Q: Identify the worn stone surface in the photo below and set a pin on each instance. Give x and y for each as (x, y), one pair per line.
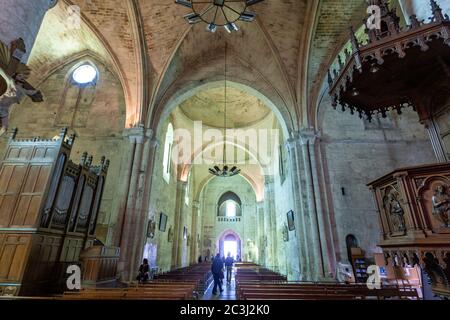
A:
(355, 152)
(98, 120)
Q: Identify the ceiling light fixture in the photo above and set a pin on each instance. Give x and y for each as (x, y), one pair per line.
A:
(225, 171)
(219, 13)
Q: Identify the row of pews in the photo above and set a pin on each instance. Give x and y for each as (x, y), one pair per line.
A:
(200, 273)
(257, 283)
(180, 284)
(155, 290)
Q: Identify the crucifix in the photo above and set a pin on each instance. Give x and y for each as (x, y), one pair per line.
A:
(13, 84)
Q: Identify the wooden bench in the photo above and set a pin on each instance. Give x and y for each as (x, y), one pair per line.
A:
(244, 291)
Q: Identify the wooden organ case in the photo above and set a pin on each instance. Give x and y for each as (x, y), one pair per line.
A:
(414, 211)
(48, 212)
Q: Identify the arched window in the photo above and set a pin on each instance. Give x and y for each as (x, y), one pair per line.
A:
(230, 209)
(78, 96)
(167, 163)
(188, 189)
(229, 205)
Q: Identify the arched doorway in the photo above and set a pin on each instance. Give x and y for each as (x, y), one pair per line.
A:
(230, 242)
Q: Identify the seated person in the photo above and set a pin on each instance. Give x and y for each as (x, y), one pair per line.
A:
(144, 270)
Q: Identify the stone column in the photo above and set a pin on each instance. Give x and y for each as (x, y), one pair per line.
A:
(195, 216)
(300, 208)
(178, 225)
(141, 210)
(22, 19)
(436, 140)
(319, 221)
(260, 232)
(137, 137)
(271, 222)
(120, 201)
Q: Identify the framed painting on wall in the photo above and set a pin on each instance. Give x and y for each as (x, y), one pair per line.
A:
(290, 220)
(162, 222)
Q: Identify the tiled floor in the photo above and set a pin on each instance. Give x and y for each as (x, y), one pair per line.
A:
(229, 292)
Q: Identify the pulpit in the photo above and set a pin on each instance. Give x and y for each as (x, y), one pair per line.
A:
(48, 212)
(414, 212)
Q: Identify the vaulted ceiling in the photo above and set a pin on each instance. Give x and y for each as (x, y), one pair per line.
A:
(158, 56)
(208, 106)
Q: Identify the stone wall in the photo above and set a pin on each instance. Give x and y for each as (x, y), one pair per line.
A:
(212, 229)
(98, 120)
(353, 153)
(162, 199)
(288, 251)
(22, 19)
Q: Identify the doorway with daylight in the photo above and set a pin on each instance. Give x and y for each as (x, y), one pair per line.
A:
(230, 243)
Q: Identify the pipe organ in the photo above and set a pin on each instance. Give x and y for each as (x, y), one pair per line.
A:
(49, 207)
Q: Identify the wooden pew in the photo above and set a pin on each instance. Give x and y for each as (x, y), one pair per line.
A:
(338, 291)
(201, 273)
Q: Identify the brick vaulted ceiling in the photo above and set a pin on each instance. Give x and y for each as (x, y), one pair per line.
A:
(157, 55)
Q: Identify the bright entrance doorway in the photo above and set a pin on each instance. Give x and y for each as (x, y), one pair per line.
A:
(230, 247)
(230, 242)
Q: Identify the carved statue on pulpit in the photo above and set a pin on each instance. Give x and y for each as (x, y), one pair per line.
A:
(396, 212)
(441, 205)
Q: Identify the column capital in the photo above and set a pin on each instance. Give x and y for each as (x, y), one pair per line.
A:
(308, 136)
(138, 134)
(154, 143)
(260, 205)
(196, 204)
(181, 185)
(302, 137)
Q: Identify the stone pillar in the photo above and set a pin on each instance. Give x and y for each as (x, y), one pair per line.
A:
(436, 140)
(310, 223)
(194, 231)
(321, 234)
(129, 146)
(130, 216)
(178, 225)
(260, 232)
(141, 210)
(271, 221)
(299, 206)
(22, 19)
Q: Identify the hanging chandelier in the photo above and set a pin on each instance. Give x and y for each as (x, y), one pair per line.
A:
(225, 170)
(219, 13)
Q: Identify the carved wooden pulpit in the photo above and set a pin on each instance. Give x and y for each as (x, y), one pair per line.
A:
(414, 211)
(48, 212)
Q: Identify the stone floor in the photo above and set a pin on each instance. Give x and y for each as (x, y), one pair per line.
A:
(229, 291)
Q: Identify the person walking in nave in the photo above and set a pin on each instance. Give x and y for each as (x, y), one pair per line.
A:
(229, 261)
(217, 271)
